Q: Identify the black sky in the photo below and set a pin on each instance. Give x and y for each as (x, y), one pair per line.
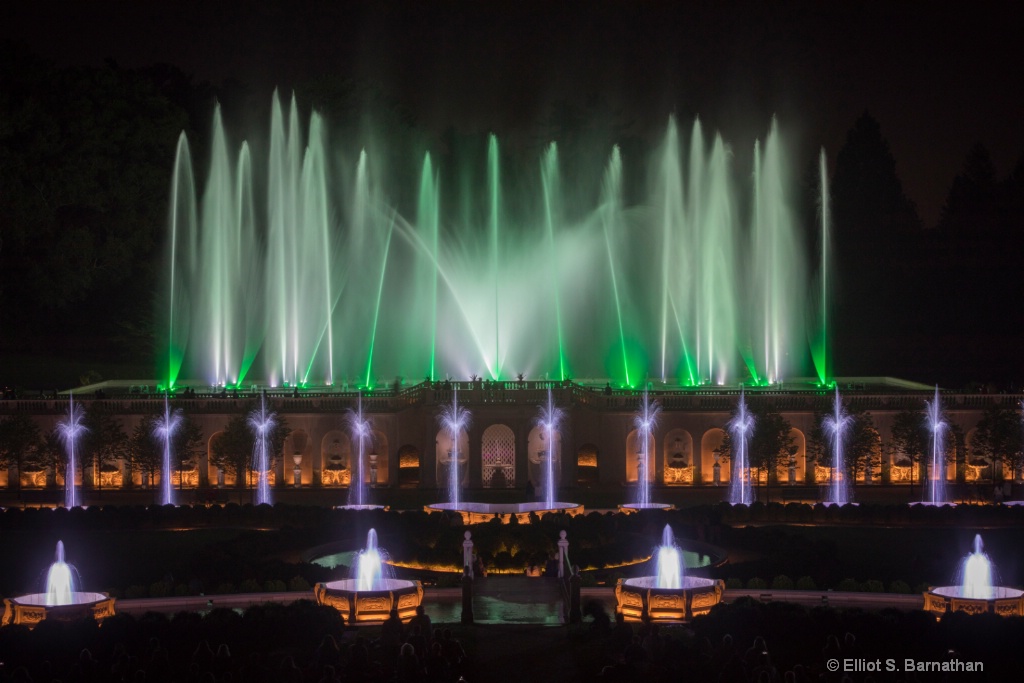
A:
(939, 78)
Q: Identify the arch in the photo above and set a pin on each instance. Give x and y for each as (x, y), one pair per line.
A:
(678, 454)
(498, 457)
(712, 440)
(443, 444)
(409, 463)
(635, 451)
(335, 459)
(586, 464)
(537, 450)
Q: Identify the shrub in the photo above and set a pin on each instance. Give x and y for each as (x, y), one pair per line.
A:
(160, 589)
(225, 587)
(182, 590)
(135, 592)
(806, 583)
(874, 586)
(249, 586)
(756, 583)
(848, 585)
(297, 583)
(782, 583)
(899, 587)
(734, 583)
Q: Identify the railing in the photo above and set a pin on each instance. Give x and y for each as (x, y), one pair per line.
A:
(498, 393)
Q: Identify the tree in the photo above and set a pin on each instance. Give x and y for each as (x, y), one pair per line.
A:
(909, 440)
(771, 445)
(147, 449)
(233, 450)
(20, 440)
(860, 447)
(998, 440)
(105, 445)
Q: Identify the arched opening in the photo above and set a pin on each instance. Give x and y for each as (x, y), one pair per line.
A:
(335, 459)
(679, 465)
(586, 464)
(637, 452)
(713, 470)
(498, 457)
(409, 464)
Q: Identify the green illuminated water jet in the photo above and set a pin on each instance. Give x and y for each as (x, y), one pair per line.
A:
(305, 264)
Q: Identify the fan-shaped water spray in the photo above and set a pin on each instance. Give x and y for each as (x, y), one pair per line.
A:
(262, 424)
(935, 492)
(70, 431)
(549, 420)
(741, 429)
(454, 420)
(837, 426)
(164, 430)
(360, 429)
(645, 421)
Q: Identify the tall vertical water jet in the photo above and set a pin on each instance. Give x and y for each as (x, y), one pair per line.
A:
(936, 490)
(262, 424)
(741, 428)
(549, 420)
(70, 430)
(454, 420)
(360, 429)
(272, 271)
(164, 430)
(645, 421)
(819, 349)
(837, 426)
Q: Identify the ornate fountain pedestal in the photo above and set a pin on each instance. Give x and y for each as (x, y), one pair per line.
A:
(31, 609)
(640, 597)
(370, 606)
(1006, 602)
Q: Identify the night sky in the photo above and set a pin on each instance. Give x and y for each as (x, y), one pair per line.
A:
(938, 79)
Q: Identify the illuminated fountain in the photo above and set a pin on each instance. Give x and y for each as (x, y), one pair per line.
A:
(262, 425)
(645, 421)
(70, 430)
(455, 420)
(935, 491)
(361, 430)
(975, 594)
(668, 595)
(311, 264)
(369, 595)
(741, 428)
(61, 600)
(837, 426)
(164, 430)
